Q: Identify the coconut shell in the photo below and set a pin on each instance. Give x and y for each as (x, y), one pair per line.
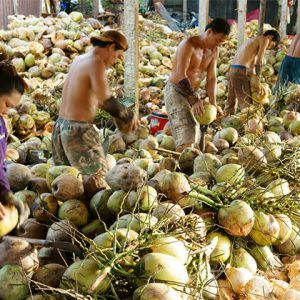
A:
(31, 228)
(49, 274)
(186, 159)
(126, 177)
(61, 231)
(39, 185)
(67, 186)
(18, 176)
(18, 252)
(168, 163)
(44, 207)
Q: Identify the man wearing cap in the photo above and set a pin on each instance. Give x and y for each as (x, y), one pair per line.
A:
(194, 56)
(75, 139)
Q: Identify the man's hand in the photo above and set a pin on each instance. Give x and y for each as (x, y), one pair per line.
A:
(220, 111)
(198, 108)
(3, 211)
(130, 126)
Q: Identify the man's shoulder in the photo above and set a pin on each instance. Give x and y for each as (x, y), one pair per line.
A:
(88, 61)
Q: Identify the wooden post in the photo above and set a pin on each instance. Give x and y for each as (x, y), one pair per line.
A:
(81, 6)
(283, 19)
(131, 9)
(298, 18)
(242, 12)
(184, 9)
(203, 14)
(95, 8)
(15, 4)
(262, 14)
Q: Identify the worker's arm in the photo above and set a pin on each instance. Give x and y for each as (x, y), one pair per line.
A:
(109, 103)
(211, 80)
(183, 84)
(262, 47)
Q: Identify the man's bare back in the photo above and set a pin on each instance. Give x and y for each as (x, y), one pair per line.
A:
(198, 63)
(294, 49)
(79, 101)
(251, 52)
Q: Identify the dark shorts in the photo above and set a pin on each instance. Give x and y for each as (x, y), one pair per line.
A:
(77, 144)
(289, 72)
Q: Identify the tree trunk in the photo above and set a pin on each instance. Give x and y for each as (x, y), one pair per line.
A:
(283, 19)
(242, 12)
(131, 8)
(95, 8)
(203, 14)
(262, 14)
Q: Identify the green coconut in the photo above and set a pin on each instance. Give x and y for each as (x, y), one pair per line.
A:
(55, 171)
(237, 218)
(223, 248)
(74, 211)
(98, 205)
(207, 163)
(156, 291)
(161, 267)
(231, 174)
(81, 275)
(13, 282)
(265, 230)
(209, 115)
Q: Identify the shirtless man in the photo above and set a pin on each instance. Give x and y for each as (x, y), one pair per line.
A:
(249, 58)
(194, 56)
(290, 67)
(75, 139)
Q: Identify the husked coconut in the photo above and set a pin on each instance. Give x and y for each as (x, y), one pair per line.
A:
(31, 228)
(168, 163)
(15, 251)
(56, 171)
(186, 159)
(67, 186)
(61, 231)
(126, 177)
(252, 157)
(44, 207)
(49, 274)
(18, 176)
(39, 185)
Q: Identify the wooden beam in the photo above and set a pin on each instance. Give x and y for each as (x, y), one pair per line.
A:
(131, 10)
(283, 19)
(203, 14)
(95, 8)
(298, 18)
(262, 15)
(242, 13)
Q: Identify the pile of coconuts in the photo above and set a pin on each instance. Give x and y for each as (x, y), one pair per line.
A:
(222, 224)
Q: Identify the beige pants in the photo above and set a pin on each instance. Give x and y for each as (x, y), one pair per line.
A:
(239, 92)
(185, 129)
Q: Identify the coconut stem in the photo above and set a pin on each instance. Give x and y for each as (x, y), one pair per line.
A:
(204, 199)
